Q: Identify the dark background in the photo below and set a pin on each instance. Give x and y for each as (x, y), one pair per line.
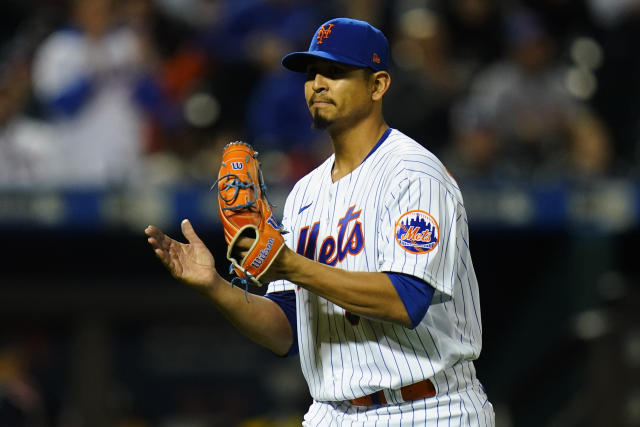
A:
(109, 335)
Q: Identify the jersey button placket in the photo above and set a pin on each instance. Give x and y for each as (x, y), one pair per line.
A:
(330, 197)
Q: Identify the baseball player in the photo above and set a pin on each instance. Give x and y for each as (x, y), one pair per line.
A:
(375, 288)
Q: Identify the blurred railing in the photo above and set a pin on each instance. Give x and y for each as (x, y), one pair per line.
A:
(602, 206)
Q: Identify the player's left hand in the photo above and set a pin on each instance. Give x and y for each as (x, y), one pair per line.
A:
(241, 249)
(250, 229)
(242, 246)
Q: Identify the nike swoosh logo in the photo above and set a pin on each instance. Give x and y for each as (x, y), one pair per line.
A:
(304, 207)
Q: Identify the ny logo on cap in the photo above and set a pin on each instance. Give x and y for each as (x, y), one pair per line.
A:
(323, 33)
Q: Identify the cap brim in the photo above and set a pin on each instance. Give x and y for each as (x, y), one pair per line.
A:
(298, 61)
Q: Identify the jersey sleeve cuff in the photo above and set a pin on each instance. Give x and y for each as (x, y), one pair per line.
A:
(286, 300)
(416, 295)
(444, 291)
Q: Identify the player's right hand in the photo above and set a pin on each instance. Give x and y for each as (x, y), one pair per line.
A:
(191, 263)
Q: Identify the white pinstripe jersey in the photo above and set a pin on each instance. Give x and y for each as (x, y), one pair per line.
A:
(399, 211)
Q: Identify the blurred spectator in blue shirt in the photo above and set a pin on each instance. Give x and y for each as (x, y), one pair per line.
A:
(275, 117)
(93, 77)
(240, 40)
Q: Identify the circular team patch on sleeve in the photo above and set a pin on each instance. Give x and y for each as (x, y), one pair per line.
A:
(417, 232)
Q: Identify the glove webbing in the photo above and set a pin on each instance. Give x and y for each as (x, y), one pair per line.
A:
(233, 181)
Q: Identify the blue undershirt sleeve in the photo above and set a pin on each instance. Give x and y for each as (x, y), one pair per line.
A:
(69, 101)
(147, 93)
(416, 295)
(286, 300)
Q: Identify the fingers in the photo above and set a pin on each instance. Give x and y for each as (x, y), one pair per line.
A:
(244, 244)
(159, 242)
(188, 232)
(153, 236)
(241, 247)
(152, 231)
(156, 237)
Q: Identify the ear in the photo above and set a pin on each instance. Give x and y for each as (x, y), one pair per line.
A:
(381, 80)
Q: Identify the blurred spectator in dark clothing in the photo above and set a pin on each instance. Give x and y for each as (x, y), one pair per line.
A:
(180, 67)
(475, 34)
(94, 79)
(378, 13)
(563, 19)
(520, 121)
(424, 79)
(618, 97)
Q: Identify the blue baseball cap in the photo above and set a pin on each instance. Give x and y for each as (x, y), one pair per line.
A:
(347, 41)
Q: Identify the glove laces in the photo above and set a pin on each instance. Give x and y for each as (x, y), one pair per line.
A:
(240, 281)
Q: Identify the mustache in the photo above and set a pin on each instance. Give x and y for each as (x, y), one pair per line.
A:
(316, 98)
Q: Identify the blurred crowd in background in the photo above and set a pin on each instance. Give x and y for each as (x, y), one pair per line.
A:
(121, 94)
(97, 93)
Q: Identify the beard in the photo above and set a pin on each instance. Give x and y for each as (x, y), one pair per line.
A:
(320, 122)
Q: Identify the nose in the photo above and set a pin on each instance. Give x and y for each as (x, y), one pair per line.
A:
(319, 83)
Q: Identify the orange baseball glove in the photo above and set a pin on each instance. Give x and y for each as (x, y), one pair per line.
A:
(245, 211)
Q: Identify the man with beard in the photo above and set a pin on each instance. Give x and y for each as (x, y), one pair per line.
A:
(375, 287)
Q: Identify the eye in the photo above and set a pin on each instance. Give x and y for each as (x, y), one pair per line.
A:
(335, 71)
(311, 73)
(328, 70)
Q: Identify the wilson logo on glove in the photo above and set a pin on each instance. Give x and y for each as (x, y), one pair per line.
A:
(257, 262)
(245, 211)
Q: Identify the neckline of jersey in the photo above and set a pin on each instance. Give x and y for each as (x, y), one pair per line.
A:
(383, 138)
(378, 144)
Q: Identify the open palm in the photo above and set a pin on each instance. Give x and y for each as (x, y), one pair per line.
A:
(191, 263)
